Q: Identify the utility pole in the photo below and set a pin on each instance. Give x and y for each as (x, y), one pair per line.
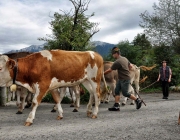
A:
(3, 96)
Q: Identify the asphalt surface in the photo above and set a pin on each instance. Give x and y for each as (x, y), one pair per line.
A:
(156, 121)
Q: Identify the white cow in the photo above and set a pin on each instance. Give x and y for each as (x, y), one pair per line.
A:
(23, 98)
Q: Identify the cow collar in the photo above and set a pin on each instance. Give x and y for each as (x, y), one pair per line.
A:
(15, 73)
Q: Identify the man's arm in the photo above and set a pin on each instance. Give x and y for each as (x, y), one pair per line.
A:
(170, 74)
(130, 66)
(108, 71)
(158, 77)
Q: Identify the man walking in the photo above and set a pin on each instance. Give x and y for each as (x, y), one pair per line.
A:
(123, 66)
(165, 74)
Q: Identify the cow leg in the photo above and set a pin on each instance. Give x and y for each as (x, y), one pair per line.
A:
(103, 93)
(93, 97)
(124, 100)
(9, 95)
(21, 96)
(35, 102)
(20, 101)
(137, 87)
(58, 96)
(24, 93)
(76, 90)
(59, 108)
(107, 98)
(131, 91)
(18, 96)
(72, 97)
(112, 92)
(29, 99)
(87, 85)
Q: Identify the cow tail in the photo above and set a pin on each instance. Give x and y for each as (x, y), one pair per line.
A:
(105, 84)
(144, 68)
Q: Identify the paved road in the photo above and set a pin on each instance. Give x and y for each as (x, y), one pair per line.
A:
(156, 121)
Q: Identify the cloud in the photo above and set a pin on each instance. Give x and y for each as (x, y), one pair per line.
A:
(23, 22)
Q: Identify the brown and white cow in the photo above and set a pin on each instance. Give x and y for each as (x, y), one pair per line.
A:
(23, 96)
(47, 70)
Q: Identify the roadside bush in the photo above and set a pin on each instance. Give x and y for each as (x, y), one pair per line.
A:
(49, 99)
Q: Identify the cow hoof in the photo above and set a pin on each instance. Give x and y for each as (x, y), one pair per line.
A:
(71, 105)
(101, 102)
(53, 110)
(28, 106)
(75, 110)
(106, 102)
(59, 118)
(89, 114)
(123, 104)
(94, 117)
(19, 112)
(131, 103)
(27, 124)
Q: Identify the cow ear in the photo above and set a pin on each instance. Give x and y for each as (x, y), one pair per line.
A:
(11, 63)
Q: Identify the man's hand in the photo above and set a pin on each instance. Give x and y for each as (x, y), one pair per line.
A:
(108, 71)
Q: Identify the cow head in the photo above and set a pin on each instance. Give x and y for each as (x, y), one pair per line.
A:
(6, 70)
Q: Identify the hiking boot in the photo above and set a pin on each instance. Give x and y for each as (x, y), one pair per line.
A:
(116, 107)
(138, 103)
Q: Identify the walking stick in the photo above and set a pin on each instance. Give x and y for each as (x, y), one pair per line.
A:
(139, 96)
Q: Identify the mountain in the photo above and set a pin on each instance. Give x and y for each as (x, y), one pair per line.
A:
(32, 48)
(102, 48)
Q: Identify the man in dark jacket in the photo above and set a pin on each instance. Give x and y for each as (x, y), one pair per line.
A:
(165, 74)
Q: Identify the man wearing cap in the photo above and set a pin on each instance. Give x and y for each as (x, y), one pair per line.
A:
(165, 74)
(123, 66)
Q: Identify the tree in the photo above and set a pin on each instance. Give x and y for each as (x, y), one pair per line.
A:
(142, 40)
(71, 30)
(145, 48)
(163, 26)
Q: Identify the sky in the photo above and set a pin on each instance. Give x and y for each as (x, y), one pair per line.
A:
(24, 21)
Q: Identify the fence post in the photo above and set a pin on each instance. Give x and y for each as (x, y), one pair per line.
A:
(3, 96)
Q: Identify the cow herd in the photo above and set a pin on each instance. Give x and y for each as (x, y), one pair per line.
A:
(53, 71)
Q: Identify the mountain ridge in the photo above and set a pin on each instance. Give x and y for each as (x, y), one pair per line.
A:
(102, 48)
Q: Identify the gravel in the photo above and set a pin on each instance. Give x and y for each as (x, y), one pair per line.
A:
(156, 121)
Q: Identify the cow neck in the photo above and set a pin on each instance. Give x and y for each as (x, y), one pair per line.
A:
(15, 73)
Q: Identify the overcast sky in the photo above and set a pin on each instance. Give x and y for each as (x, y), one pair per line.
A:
(23, 21)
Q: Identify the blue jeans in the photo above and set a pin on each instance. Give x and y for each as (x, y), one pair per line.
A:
(122, 85)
